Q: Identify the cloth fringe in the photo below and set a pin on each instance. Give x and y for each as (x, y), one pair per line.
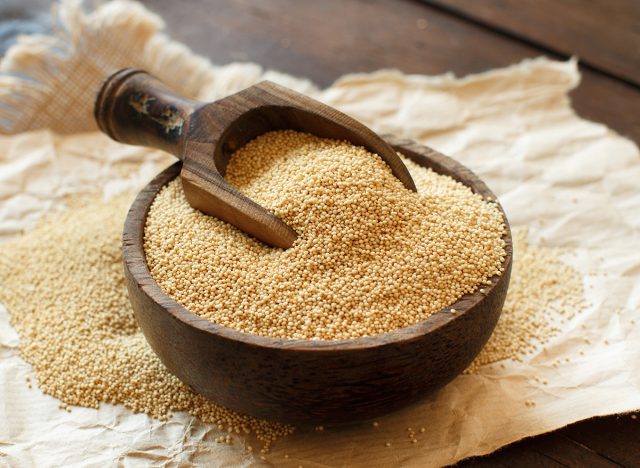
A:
(51, 81)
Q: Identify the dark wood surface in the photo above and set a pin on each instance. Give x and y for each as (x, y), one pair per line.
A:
(569, 27)
(136, 108)
(323, 40)
(286, 380)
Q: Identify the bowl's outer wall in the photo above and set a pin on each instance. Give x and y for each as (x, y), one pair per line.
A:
(324, 385)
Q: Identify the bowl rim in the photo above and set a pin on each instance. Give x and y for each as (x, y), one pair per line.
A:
(135, 264)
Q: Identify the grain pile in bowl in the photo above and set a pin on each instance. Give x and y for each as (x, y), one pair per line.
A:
(371, 256)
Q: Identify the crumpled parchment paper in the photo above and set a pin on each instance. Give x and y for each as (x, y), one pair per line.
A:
(572, 182)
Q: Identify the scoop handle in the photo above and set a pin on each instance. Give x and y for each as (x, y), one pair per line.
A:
(136, 108)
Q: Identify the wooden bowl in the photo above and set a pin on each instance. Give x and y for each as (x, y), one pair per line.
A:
(314, 382)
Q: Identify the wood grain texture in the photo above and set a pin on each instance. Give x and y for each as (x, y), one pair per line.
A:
(134, 107)
(603, 33)
(553, 450)
(616, 438)
(312, 381)
(324, 40)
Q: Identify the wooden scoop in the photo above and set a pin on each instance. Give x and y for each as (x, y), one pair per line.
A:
(136, 108)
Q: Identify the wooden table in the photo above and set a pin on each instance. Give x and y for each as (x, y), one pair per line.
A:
(322, 40)
(325, 39)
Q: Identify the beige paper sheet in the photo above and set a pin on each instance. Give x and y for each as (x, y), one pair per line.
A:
(573, 182)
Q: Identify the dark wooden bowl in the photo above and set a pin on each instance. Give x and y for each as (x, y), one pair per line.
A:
(315, 382)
